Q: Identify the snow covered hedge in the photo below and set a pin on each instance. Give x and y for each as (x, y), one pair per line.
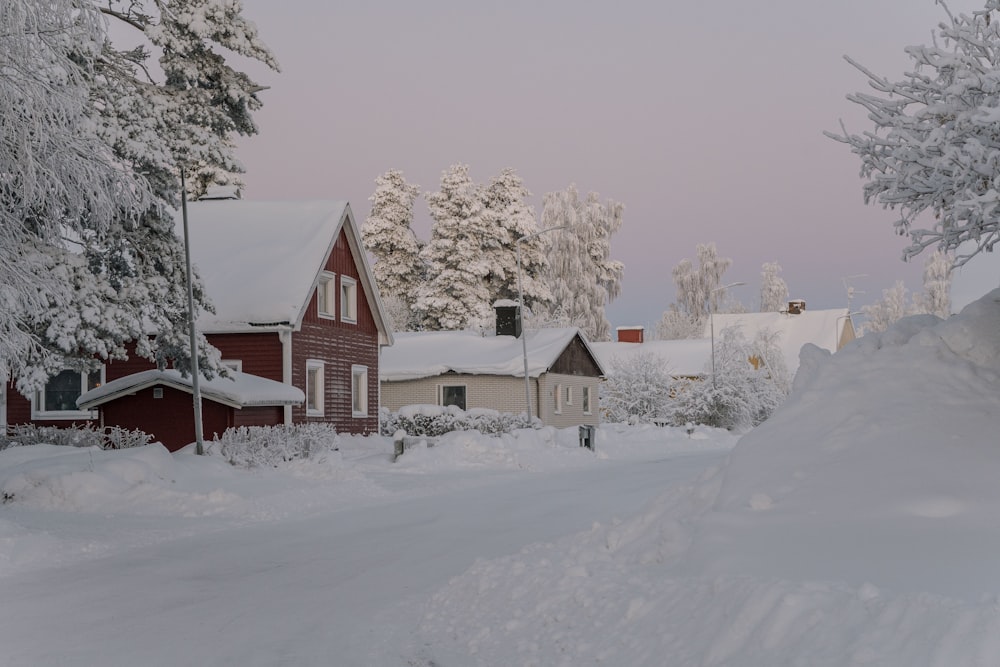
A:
(108, 437)
(269, 446)
(433, 420)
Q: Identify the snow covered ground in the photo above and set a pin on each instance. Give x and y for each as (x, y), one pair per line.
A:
(860, 525)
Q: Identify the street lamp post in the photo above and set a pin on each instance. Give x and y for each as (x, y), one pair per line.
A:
(193, 339)
(520, 315)
(711, 323)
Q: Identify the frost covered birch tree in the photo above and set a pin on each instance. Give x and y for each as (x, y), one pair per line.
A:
(696, 295)
(934, 149)
(773, 289)
(389, 237)
(887, 310)
(89, 150)
(455, 295)
(936, 297)
(581, 274)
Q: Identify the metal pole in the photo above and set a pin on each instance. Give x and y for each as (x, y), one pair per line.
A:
(524, 332)
(195, 372)
(711, 327)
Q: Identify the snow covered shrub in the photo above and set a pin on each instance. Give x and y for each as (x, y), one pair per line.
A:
(435, 420)
(269, 446)
(109, 437)
(637, 389)
(751, 381)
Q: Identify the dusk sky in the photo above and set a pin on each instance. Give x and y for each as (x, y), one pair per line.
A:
(705, 119)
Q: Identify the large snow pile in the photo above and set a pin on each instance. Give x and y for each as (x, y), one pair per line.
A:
(860, 525)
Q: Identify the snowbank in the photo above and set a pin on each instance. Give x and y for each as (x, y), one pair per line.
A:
(859, 525)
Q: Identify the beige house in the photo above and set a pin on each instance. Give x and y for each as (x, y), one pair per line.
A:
(471, 370)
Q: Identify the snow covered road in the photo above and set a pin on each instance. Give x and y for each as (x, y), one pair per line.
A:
(340, 587)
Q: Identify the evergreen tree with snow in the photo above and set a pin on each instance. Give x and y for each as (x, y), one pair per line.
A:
(455, 294)
(581, 274)
(90, 145)
(509, 217)
(933, 148)
(773, 289)
(388, 236)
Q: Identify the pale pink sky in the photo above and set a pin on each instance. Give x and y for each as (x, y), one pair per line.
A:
(704, 118)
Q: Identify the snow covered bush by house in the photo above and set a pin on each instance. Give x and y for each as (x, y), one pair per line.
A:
(637, 389)
(745, 384)
(434, 420)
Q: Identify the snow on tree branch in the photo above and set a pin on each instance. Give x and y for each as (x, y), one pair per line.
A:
(935, 147)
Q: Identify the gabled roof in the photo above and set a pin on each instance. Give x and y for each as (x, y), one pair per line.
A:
(822, 328)
(683, 358)
(260, 260)
(240, 391)
(417, 355)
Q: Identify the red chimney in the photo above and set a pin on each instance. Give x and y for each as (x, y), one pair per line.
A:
(630, 334)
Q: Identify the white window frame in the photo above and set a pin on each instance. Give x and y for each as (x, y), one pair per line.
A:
(348, 299)
(569, 395)
(359, 391)
(319, 366)
(465, 393)
(586, 400)
(233, 364)
(38, 410)
(558, 406)
(326, 296)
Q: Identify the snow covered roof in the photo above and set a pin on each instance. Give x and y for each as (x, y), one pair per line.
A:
(684, 358)
(240, 391)
(822, 328)
(259, 260)
(417, 355)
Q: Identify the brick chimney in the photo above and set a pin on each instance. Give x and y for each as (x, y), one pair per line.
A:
(630, 334)
(508, 318)
(795, 307)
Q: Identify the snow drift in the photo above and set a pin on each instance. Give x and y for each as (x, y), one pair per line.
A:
(859, 525)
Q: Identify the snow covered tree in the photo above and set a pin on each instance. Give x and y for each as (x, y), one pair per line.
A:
(455, 294)
(936, 298)
(773, 289)
(89, 148)
(934, 145)
(581, 275)
(387, 235)
(696, 297)
(637, 389)
(890, 308)
(507, 213)
(751, 380)
(675, 325)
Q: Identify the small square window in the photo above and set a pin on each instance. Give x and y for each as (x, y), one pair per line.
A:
(314, 387)
(326, 296)
(348, 299)
(452, 394)
(359, 391)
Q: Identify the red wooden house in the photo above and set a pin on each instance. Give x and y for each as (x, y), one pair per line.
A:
(297, 315)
